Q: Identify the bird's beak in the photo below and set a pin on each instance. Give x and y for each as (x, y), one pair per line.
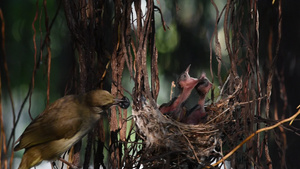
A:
(190, 82)
(188, 69)
(117, 100)
(203, 75)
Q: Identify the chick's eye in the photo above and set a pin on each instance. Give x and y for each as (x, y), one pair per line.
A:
(201, 83)
(184, 76)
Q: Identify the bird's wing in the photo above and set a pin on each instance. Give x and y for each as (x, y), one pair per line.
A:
(167, 107)
(49, 125)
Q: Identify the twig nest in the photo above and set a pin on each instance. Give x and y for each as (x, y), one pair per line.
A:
(199, 143)
(172, 143)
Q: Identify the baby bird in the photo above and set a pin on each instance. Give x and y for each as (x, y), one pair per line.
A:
(62, 124)
(175, 108)
(197, 113)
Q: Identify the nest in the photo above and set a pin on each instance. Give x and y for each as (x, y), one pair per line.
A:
(168, 142)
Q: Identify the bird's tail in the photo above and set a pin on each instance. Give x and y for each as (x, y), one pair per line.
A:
(30, 158)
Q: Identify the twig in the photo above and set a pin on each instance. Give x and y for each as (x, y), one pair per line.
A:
(161, 156)
(34, 57)
(48, 50)
(255, 133)
(9, 92)
(224, 84)
(162, 18)
(3, 135)
(172, 86)
(219, 115)
(191, 146)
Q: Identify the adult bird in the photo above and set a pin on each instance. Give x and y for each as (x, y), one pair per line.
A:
(198, 114)
(175, 108)
(62, 124)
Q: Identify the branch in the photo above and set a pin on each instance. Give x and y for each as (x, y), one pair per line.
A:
(255, 133)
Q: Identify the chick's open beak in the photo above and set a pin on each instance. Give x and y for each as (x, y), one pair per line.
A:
(188, 69)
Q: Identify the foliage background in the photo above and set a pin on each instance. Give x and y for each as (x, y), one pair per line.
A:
(191, 24)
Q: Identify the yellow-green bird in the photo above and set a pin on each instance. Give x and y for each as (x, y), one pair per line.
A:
(62, 124)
